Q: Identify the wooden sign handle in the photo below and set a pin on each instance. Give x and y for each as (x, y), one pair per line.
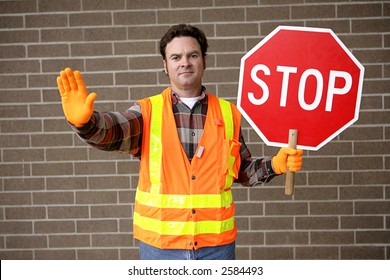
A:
(290, 176)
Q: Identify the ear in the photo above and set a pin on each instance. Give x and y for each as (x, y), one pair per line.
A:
(165, 67)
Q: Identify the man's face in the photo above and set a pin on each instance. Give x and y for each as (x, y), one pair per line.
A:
(184, 64)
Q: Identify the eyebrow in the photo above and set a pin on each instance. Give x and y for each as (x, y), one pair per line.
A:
(191, 53)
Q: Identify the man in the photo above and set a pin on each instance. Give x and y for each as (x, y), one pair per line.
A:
(191, 151)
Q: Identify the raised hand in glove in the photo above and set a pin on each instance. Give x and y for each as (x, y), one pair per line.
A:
(77, 104)
(287, 157)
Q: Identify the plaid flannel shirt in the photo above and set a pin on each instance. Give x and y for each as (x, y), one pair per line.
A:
(122, 132)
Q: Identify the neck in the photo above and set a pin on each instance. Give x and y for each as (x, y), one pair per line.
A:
(183, 92)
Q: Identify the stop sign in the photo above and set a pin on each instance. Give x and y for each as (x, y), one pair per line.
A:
(300, 78)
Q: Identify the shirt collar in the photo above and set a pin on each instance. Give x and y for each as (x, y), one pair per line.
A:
(202, 98)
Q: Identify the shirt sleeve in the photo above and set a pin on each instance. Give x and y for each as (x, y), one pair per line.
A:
(254, 171)
(114, 131)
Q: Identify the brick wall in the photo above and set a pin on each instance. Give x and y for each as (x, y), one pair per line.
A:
(63, 200)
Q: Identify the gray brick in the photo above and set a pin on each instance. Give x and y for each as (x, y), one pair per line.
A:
(96, 197)
(15, 199)
(322, 178)
(271, 223)
(97, 254)
(14, 82)
(50, 227)
(58, 5)
(191, 3)
(268, 13)
(115, 182)
(62, 35)
(55, 254)
(23, 155)
(11, 22)
(13, 227)
(23, 242)
(37, 21)
(95, 226)
(25, 213)
(56, 64)
(91, 49)
(24, 184)
(372, 207)
(68, 212)
(69, 241)
(9, 7)
(72, 183)
(106, 64)
(13, 170)
(317, 253)
(146, 33)
(135, 78)
(152, 4)
(362, 252)
(362, 222)
(117, 211)
(224, 14)
(20, 66)
(105, 34)
(286, 208)
(283, 238)
(46, 169)
(53, 198)
(332, 237)
(249, 238)
(359, 10)
(51, 140)
(42, 80)
(21, 126)
(272, 253)
(314, 11)
(90, 19)
(331, 208)
(89, 168)
(367, 148)
(104, 5)
(12, 51)
(315, 223)
(370, 25)
(135, 18)
(361, 192)
(16, 255)
(173, 17)
(135, 48)
(104, 240)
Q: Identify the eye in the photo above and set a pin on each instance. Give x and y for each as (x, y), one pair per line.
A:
(175, 58)
(195, 55)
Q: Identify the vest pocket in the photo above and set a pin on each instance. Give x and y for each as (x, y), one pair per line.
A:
(231, 158)
(234, 164)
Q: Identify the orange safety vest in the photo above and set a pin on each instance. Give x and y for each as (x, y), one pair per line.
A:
(181, 204)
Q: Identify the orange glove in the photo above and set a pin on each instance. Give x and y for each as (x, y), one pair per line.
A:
(77, 104)
(287, 157)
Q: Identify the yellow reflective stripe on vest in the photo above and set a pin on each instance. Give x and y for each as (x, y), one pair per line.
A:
(184, 228)
(229, 131)
(227, 117)
(155, 152)
(185, 201)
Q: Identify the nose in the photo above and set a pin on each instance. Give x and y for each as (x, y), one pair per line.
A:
(185, 62)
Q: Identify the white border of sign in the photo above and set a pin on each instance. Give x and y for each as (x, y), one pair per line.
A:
(311, 29)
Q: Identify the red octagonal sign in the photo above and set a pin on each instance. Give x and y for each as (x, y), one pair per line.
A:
(300, 78)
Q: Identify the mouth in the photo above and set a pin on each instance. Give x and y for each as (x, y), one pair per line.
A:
(186, 73)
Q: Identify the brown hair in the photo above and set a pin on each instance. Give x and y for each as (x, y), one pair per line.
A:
(181, 30)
